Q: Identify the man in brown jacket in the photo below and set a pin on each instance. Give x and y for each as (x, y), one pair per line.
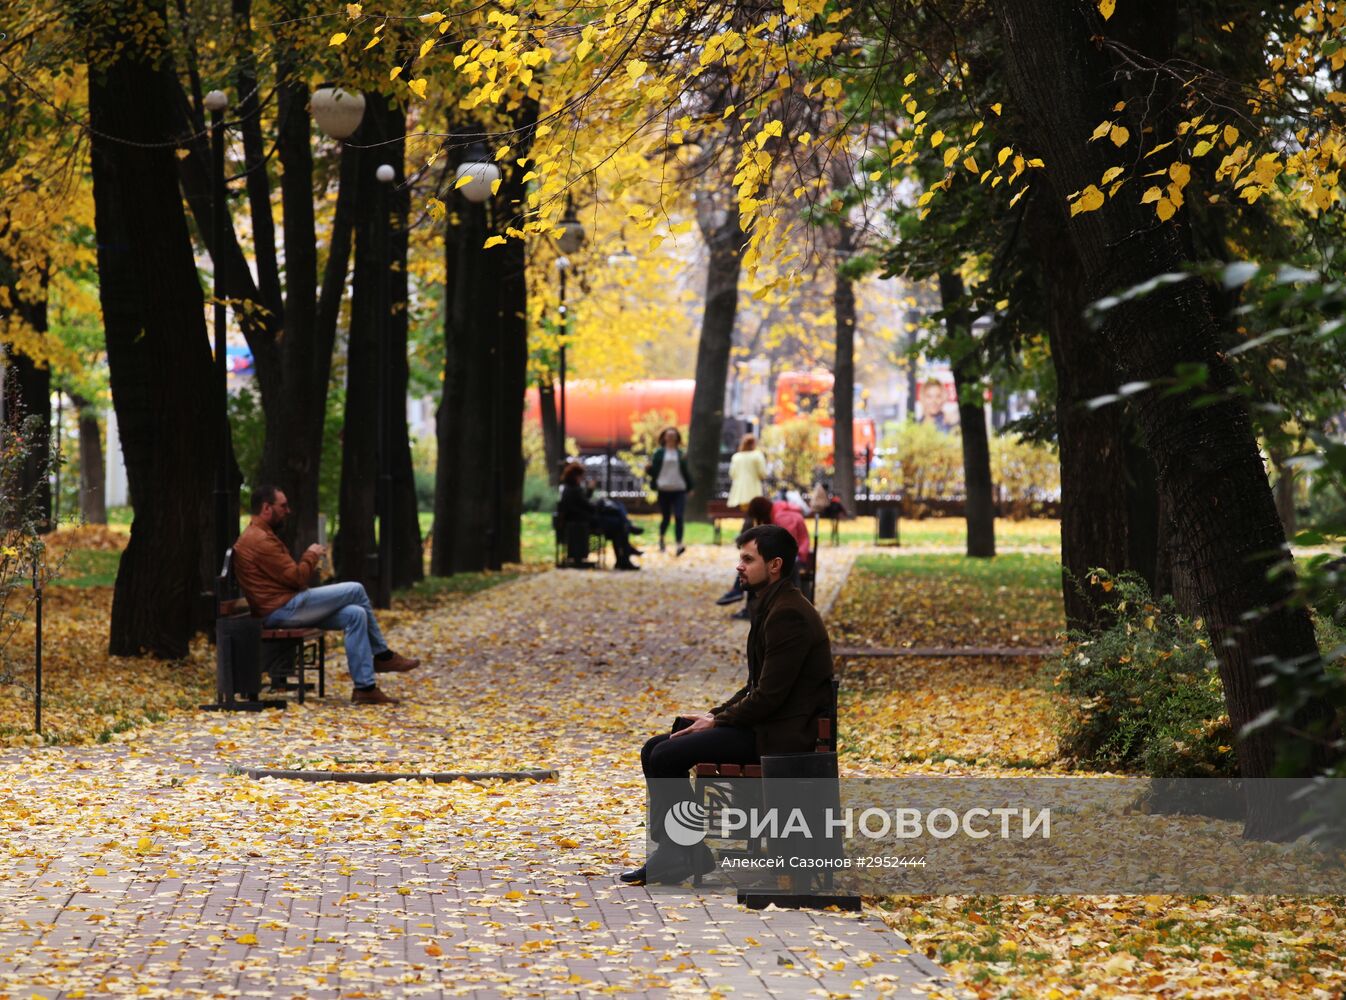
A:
(278, 591)
(789, 688)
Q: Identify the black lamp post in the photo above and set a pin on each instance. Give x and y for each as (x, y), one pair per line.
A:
(571, 239)
(385, 175)
(216, 102)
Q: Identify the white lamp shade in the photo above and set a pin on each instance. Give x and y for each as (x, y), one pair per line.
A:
(386, 173)
(483, 175)
(338, 112)
(216, 100)
(572, 236)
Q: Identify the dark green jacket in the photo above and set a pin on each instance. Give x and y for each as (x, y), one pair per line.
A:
(657, 462)
(789, 674)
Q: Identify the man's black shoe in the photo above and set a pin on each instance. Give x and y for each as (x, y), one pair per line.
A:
(627, 565)
(636, 876)
(671, 865)
(730, 597)
(636, 529)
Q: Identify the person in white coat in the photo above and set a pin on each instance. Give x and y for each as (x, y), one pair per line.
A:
(747, 475)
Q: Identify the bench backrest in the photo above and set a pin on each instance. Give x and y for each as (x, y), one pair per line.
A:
(228, 600)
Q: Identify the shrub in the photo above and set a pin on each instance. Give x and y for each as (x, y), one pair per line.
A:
(794, 452)
(1143, 694)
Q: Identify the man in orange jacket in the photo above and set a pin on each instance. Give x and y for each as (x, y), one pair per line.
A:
(278, 591)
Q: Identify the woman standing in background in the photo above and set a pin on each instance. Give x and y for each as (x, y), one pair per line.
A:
(669, 476)
(747, 470)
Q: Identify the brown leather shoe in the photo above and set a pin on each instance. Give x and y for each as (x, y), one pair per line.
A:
(372, 697)
(399, 664)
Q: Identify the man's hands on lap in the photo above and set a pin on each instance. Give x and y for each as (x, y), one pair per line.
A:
(699, 725)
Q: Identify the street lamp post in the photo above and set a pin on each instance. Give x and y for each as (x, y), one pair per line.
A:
(216, 102)
(571, 240)
(385, 175)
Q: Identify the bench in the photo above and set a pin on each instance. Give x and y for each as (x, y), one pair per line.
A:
(721, 786)
(718, 510)
(291, 651)
(576, 541)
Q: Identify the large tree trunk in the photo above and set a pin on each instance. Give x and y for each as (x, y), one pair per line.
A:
(28, 390)
(843, 374)
(479, 471)
(978, 499)
(159, 357)
(1211, 476)
(92, 506)
(463, 492)
(724, 242)
(1095, 522)
(380, 263)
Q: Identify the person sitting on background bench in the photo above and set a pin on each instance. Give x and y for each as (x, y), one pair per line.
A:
(612, 521)
(764, 510)
(278, 591)
(789, 688)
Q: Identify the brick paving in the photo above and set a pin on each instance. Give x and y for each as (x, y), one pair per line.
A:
(156, 868)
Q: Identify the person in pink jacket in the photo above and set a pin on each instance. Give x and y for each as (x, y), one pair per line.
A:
(764, 510)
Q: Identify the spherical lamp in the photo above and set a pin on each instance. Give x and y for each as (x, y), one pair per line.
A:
(482, 172)
(338, 112)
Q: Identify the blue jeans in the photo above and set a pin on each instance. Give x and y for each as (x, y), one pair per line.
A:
(672, 505)
(342, 606)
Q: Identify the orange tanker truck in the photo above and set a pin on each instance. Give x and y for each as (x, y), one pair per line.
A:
(599, 416)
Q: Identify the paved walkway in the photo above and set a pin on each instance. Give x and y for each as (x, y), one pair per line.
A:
(158, 869)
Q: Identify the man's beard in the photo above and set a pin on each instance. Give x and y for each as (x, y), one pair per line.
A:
(751, 588)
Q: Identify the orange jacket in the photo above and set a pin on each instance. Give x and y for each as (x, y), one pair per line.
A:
(266, 572)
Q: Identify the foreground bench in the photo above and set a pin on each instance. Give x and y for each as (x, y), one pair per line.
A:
(724, 786)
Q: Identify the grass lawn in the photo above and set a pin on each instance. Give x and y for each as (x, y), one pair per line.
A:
(983, 716)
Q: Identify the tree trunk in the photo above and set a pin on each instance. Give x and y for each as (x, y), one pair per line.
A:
(978, 501)
(725, 245)
(407, 549)
(546, 397)
(1285, 493)
(158, 354)
(1095, 521)
(463, 492)
(380, 257)
(479, 471)
(513, 384)
(27, 394)
(843, 375)
(92, 508)
(1210, 473)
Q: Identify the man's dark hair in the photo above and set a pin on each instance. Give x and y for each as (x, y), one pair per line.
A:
(265, 493)
(773, 542)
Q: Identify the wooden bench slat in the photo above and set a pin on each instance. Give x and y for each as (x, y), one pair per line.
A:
(291, 633)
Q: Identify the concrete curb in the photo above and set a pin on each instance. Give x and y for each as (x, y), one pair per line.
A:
(369, 777)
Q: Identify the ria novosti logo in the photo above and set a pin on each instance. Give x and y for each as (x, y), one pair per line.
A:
(685, 823)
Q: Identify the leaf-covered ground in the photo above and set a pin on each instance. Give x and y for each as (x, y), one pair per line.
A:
(985, 717)
(155, 867)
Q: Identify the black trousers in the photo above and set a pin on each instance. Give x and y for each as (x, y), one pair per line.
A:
(665, 759)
